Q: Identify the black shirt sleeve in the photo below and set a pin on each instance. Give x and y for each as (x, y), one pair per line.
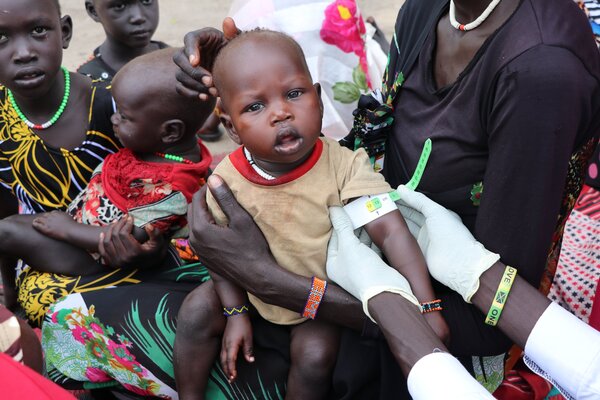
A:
(541, 108)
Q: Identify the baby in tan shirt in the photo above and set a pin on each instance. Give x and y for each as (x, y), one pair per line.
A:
(287, 176)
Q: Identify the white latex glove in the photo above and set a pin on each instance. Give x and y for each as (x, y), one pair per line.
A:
(453, 256)
(357, 268)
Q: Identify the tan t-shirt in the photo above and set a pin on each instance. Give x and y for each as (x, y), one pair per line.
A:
(292, 210)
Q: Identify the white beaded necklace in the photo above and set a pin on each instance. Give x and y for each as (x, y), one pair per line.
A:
(472, 25)
(264, 174)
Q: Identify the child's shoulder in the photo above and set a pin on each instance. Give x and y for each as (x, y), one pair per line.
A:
(96, 68)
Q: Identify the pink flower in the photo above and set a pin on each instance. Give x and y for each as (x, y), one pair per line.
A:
(81, 334)
(344, 28)
(97, 375)
(122, 357)
(96, 328)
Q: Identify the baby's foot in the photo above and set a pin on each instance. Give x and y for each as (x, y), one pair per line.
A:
(53, 224)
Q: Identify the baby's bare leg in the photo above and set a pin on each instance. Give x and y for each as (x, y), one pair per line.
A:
(314, 347)
(18, 238)
(200, 326)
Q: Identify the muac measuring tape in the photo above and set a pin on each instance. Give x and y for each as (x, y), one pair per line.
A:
(368, 208)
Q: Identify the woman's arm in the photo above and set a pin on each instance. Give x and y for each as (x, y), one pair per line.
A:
(8, 207)
(220, 248)
(538, 114)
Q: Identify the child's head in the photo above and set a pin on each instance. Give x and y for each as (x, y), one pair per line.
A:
(32, 37)
(268, 100)
(131, 23)
(151, 116)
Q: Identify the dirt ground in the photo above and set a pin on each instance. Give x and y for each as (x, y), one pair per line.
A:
(178, 17)
(181, 16)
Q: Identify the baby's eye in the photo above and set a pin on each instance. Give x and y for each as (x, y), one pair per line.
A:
(39, 31)
(3, 38)
(254, 107)
(147, 2)
(294, 93)
(118, 6)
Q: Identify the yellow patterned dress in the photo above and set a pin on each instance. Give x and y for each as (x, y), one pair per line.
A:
(45, 179)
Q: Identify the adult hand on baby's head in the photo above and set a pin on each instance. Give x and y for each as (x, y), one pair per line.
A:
(237, 251)
(454, 257)
(197, 56)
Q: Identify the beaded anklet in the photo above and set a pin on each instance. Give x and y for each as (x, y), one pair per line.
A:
(56, 115)
(493, 315)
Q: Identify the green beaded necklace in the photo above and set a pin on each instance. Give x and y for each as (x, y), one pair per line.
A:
(173, 157)
(56, 115)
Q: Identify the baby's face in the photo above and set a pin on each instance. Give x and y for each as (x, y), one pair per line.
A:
(135, 122)
(273, 106)
(128, 22)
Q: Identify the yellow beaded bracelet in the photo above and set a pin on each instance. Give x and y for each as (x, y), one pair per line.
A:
(501, 296)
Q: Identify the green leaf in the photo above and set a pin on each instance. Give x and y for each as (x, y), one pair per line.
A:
(360, 79)
(345, 92)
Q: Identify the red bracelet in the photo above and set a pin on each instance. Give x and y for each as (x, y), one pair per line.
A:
(431, 306)
(317, 291)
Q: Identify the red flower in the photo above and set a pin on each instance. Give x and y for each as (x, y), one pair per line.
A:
(344, 28)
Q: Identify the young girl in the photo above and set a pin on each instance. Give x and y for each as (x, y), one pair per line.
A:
(129, 26)
(286, 177)
(152, 179)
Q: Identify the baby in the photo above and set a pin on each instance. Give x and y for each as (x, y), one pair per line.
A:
(286, 176)
(151, 180)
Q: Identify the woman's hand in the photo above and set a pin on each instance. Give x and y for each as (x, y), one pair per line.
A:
(197, 57)
(439, 326)
(238, 252)
(237, 336)
(453, 256)
(119, 248)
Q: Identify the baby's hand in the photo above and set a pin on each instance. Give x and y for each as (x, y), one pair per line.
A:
(53, 224)
(439, 326)
(238, 334)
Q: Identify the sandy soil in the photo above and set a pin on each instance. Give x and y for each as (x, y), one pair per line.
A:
(180, 16)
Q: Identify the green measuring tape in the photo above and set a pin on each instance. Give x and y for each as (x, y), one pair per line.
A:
(418, 174)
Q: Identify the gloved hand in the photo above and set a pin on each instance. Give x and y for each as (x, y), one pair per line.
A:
(453, 256)
(357, 268)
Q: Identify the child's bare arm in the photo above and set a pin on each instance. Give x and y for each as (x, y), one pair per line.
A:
(60, 225)
(390, 233)
(230, 294)
(238, 330)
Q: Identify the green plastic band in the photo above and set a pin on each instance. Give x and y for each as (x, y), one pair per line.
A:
(501, 296)
(418, 174)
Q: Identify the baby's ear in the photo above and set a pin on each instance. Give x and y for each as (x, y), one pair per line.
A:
(318, 89)
(66, 28)
(229, 128)
(91, 10)
(172, 131)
